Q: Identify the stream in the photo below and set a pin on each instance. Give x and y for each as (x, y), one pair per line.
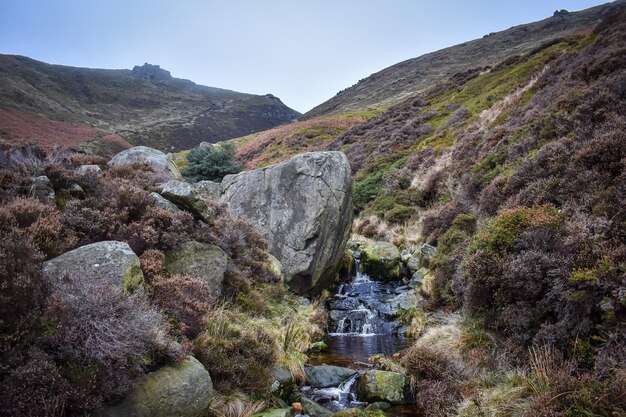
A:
(362, 325)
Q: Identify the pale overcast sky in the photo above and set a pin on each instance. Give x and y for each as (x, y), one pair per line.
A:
(301, 51)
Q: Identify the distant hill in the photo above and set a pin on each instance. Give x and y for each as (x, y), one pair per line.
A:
(395, 83)
(54, 104)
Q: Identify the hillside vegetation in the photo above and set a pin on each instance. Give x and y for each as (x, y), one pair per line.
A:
(146, 106)
(396, 83)
(516, 171)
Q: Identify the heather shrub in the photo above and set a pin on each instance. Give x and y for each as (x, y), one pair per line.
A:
(242, 243)
(24, 291)
(434, 379)
(451, 248)
(437, 221)
(185, 299)
(116, 336)
(152, 262)
(35, 389)
(238, 355)
(41, 222)
(13, 184)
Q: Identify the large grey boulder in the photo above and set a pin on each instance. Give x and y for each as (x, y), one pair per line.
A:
(325, 376)
(184, 390)
(303, 207)
(375, 385)
(184, 195)
(157, 160)
(201, 260)
(110, 261)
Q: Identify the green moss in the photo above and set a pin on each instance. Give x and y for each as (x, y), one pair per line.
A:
(381, 260)
(500, 235)
(133, 278)
(603, 268)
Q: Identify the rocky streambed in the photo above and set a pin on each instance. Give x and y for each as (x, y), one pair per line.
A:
(367, 321)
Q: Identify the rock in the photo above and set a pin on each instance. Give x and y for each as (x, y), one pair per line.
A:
(324, 376)
(41, 189)
(336, 315)
(275, 268)
(303, 208)
(402, 301)
(405, 255)
(201, 260)
(76, 190)
(413, 263)
(348, 303)
(376, 385)
(111, 261)
(310, 407)
(381, 260)
(357, 412)
(427, 252)
(209, 189)
(276, 412)
(89, 170)
(183, 390)
(184, 195)
(284, 384)
(163, 203)
(428, 282)
(157, 160)
(378, 405)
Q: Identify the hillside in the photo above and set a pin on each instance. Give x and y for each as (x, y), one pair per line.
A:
(145, 106)
(515, 171)
(395, 83)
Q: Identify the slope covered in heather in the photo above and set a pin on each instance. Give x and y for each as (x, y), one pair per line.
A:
(516, 172)
(395, 83)
(145, 106)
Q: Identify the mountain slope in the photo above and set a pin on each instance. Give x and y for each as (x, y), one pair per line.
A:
(395, 83)
(145, 106)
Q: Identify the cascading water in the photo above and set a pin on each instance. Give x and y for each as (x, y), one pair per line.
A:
(362, 324)
(336, 398)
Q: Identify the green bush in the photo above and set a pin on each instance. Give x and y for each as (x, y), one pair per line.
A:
(211, 163)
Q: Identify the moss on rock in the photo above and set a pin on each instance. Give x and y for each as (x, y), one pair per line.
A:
(381, 260)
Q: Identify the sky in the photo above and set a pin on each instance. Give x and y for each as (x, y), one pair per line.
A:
(303, 52)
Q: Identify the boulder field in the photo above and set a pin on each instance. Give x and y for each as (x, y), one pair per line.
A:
(302, 207)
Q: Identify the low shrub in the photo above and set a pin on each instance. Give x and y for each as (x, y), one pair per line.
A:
(37, 388)
(185, 299)
(434, 379)
(95, 325)
(211, 163)
(239, 356)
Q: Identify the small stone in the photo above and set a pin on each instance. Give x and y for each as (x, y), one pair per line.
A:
(41, 189)
(185, 196)
(163, 203)
(89, 170)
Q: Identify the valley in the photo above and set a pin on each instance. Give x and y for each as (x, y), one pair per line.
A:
(444, 238)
